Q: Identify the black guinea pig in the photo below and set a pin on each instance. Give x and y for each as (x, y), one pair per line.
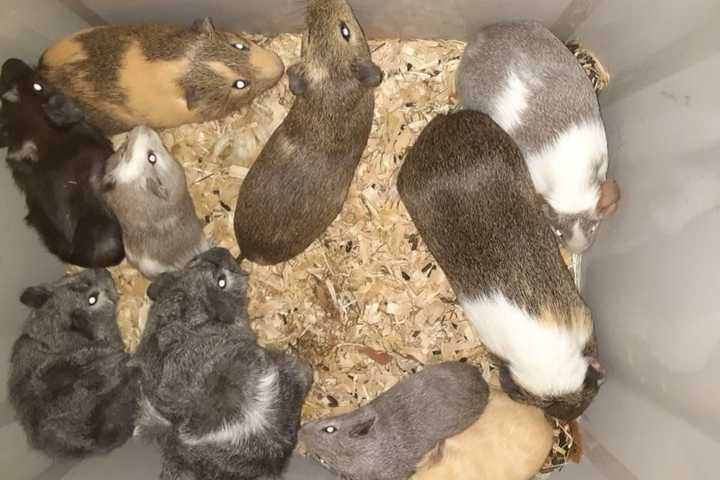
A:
(58, 161)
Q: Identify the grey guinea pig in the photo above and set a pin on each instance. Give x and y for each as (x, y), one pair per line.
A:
(523, 76)
(219, 406)
(469, 192)
(298, 184)
(387, 438)
(146, 189)
(159, 75)
(58, 160)
(70, 383)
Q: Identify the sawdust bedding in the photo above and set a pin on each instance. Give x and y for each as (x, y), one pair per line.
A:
(366, 304)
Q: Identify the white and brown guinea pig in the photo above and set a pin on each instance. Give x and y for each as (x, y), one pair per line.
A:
(145, 186)
(510, 441)
(159, 75)
(470, 195)
(527, 80)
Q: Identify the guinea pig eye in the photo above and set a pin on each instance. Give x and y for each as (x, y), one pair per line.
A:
(92, 299)
(152, 158)
(330, 429)
(345, 31)
(239, 46)
(557, 232)
(37, 87)
(222, 282)
(593, 227)
(240, 84)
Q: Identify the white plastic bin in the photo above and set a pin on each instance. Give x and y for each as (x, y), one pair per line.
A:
(651, 279)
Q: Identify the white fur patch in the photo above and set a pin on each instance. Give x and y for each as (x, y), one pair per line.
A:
(28, 151)
(563, 171)
(12, 95)
(546, 360)
(578, 241)
(255, 419)
(511, 103)
(152, 268)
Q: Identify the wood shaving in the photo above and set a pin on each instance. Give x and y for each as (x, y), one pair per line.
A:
(366, 304)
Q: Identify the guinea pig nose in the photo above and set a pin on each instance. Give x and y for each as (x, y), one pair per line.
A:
(267, 64)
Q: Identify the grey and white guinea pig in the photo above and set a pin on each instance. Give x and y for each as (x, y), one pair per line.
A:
(70, 382)
(510, 441)
(527, 80)
(219, 405)
(385, 439)
(145, 187)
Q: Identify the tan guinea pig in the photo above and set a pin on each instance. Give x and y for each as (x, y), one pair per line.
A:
(510, 441)
(158, 75)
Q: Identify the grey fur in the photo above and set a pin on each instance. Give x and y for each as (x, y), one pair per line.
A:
(560, 95)
(203, 370)
(298, 184)
(69, 381)
(385, 439)
(469, 192)
(161, 231)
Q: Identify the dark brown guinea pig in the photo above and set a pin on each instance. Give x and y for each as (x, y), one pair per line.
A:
(58, 161)
(299, 182)
(471, 197)
(159, 75)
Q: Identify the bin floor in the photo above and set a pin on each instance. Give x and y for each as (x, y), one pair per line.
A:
(366, 304)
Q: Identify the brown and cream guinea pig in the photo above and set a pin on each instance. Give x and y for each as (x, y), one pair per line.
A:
(510, 441)
(159, 75)
(470, 194)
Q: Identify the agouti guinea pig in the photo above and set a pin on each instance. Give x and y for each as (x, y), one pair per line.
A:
(510, 441)
(70, 383)
(57, 160)
(159, 75)
(298, 184)
(146, 189)
(469, 192)
(385, 439)
(523, 76)
(220, 406)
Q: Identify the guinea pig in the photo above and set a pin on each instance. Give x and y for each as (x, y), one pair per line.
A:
(159, 75)
(219, 405)
(385, 439)
(70, 383)
(299, 182)
(525, 78)
(57, 160)
(470, 195)
(510, 441)
(146, 189)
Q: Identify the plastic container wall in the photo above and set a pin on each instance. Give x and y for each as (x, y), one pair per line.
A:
(650, 279)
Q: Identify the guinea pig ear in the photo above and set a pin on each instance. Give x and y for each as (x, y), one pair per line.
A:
(507, 383)
(62, 112)
(35, 297)
(362, 429)
(14, 69)
(155, 187)
(369, 74)
(595, 373)
(204, 26)
(609, 198)
(296, 79)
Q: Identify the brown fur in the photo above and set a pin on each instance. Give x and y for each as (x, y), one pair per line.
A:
(158, 75)
(299, 182)
(470, 194)
(510, 441)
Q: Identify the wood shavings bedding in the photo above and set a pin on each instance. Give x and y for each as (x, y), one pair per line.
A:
(366, 304)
